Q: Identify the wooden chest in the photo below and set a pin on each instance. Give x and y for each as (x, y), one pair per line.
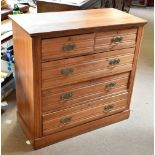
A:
(74, 71)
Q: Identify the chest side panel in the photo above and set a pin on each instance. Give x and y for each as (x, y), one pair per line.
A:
(24, 79)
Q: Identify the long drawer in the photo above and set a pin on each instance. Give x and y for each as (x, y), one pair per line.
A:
(76, 94)
(73, 70)
(61, 120)
(67, 46)
(113, 40)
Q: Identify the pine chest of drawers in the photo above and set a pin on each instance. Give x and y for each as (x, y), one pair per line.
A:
(74, 71)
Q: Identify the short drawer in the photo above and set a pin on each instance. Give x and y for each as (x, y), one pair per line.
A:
(112, 40)
(73, 70)
(65, 47)
(77, 94)
(61, 120)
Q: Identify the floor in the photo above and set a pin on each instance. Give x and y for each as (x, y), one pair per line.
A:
(130, 137)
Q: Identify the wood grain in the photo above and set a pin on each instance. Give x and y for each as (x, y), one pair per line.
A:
(84, 68)
(108, 47)
(110, 33)
(24, 79)
(90, 104)
(27, 80)
(81, 117)
(37, 86)
(74, 21)
(107, 40)
(25, 129)
(53, 48)
(137, 52)
(82, 92)
(103, 40)
(53, 138)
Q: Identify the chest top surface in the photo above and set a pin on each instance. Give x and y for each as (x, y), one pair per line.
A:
(48, 23)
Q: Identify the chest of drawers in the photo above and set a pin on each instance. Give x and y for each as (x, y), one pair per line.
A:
(74, 71)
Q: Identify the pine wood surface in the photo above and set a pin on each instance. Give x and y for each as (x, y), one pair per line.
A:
(44, 23)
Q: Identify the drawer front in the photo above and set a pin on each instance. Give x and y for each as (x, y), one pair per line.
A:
(67, 46)
(72, 95)
(73, 70)
(112, 40)
(70, 117)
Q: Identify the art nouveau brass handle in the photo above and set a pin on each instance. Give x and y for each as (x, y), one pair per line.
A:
(117, 40)
(66, 96)
(110, 85)
(114, 61)
(67, 71)
(69, 47)
(65, 120)
(108, 107)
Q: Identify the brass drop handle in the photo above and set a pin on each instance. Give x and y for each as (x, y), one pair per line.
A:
(65, 120)
(66, 96)
(67, 71)
(117, 40)
(108, 107)
(69, 47)
(115, 61)
(110, 85)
